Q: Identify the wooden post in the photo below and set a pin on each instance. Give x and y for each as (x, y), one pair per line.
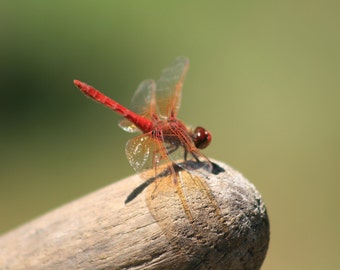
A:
(222, 224)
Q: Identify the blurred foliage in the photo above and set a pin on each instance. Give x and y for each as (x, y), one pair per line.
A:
(264, 78)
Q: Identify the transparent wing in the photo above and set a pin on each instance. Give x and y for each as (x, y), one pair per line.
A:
(169, 87)
(143, 102)
(146, 155)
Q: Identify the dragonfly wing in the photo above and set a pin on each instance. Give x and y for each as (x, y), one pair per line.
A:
(169, 87)
(143, 103)
(128, 126)
(146, 155)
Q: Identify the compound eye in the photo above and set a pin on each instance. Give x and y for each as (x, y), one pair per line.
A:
(201, 137)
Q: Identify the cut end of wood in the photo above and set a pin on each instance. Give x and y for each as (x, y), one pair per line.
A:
(216, 221)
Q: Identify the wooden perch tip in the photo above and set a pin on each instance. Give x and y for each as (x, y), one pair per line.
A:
(216, 221)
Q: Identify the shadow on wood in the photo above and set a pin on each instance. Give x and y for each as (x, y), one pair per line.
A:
(221, 224)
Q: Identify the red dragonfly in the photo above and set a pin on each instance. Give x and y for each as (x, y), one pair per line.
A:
(166, 141)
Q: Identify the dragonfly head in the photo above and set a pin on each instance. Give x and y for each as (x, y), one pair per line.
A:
(201, 137)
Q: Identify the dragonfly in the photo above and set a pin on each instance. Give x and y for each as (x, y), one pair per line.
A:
(166, 145)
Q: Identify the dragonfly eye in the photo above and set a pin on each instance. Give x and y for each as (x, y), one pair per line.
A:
(201, 137)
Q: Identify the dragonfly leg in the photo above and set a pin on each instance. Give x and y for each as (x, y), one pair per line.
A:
(193, 154)
(171, 148)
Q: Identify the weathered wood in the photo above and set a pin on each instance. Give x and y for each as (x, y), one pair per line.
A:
(222, 225)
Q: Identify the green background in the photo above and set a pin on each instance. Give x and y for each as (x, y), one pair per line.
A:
(264, 79)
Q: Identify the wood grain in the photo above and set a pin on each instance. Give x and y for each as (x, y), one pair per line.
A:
(223, 225)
